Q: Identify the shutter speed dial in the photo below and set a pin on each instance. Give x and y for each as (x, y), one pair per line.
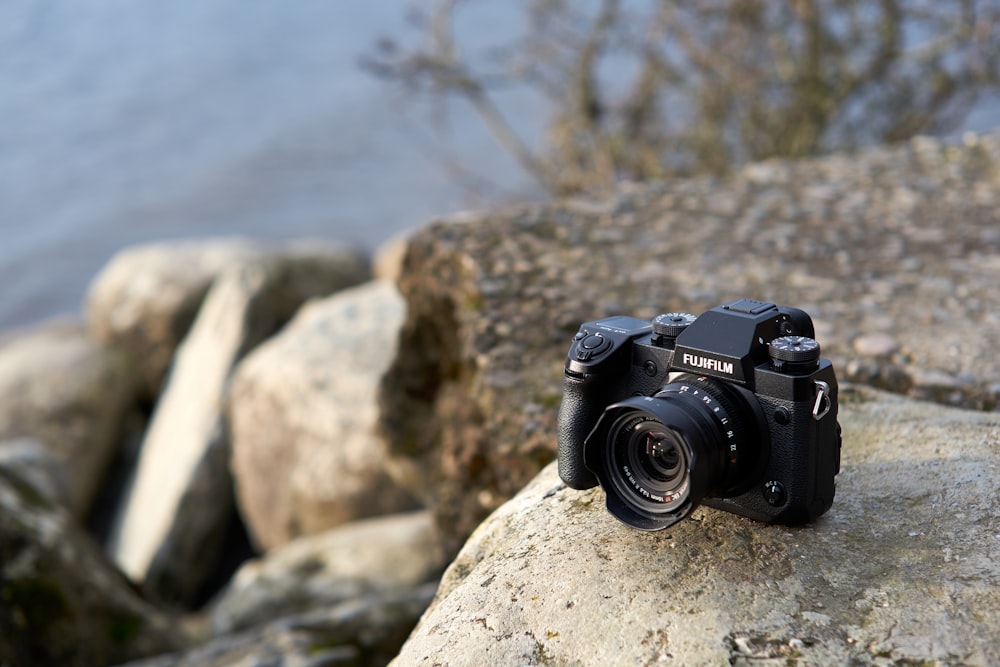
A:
(791, 354)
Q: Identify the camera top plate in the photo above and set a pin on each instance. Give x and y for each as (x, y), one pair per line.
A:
(728, 341)
(596, 341)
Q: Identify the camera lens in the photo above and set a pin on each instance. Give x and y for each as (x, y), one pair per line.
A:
(661, 459)
(654, 461)
(658, 456)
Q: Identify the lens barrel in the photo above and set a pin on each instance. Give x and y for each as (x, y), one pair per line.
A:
(657, 457)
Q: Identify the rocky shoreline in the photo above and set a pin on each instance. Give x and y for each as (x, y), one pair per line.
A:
(349, 428)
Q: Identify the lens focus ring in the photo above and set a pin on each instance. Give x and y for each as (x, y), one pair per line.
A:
(712, 402)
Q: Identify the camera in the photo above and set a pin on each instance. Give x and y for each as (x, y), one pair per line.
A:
(734, 408)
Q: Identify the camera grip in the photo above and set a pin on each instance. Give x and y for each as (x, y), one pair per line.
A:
(576, 419)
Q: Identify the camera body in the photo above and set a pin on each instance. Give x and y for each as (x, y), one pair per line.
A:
(735, 407)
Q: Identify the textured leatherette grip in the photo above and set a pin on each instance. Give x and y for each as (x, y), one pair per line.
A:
(577, 415)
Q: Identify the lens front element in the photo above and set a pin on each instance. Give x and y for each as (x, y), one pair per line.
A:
(653, 462)
(657, 457)
(661, 460)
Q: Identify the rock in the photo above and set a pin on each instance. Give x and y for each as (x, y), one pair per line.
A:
(387, 262)
(364, 632)
(935, 385)
(390, 554)
(302, 412)
(61, 601)
(145, 299)
(470, 402)
(33, 463)
(876, 344)
(168, 530)
(901, 570)
(60, 388)
(877, 373)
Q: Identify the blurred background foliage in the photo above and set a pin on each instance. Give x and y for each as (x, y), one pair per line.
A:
(646, 90)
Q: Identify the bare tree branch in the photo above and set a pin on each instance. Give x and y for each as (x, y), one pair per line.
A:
(704, 85)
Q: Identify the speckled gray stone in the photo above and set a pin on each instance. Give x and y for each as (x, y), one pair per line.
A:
(902, 569)
(903, 240)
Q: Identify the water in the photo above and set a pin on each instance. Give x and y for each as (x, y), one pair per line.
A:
(125, 121)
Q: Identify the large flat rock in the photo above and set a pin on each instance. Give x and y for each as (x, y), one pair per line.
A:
(902, 569)
(903, 242)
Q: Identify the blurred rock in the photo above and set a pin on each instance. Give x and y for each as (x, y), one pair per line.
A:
(877, 373)
(60, 388)
(470, 402)
(387, 262)
(901, 570)
(61, 601)
(145, 299)
(363, 632)
(386, 555)
(34, 464)
(936, 385)
(302, 411)
(876, 344)
(169, 528)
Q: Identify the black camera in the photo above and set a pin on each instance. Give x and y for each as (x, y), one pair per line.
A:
(735, 408)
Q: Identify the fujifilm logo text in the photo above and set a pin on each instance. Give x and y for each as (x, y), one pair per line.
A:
(708, 364)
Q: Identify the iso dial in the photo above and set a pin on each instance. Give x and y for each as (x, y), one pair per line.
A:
(668, 326)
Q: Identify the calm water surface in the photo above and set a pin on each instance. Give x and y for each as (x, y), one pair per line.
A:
(125, 121)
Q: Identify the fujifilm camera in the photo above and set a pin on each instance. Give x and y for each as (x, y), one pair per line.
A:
(735, 409)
